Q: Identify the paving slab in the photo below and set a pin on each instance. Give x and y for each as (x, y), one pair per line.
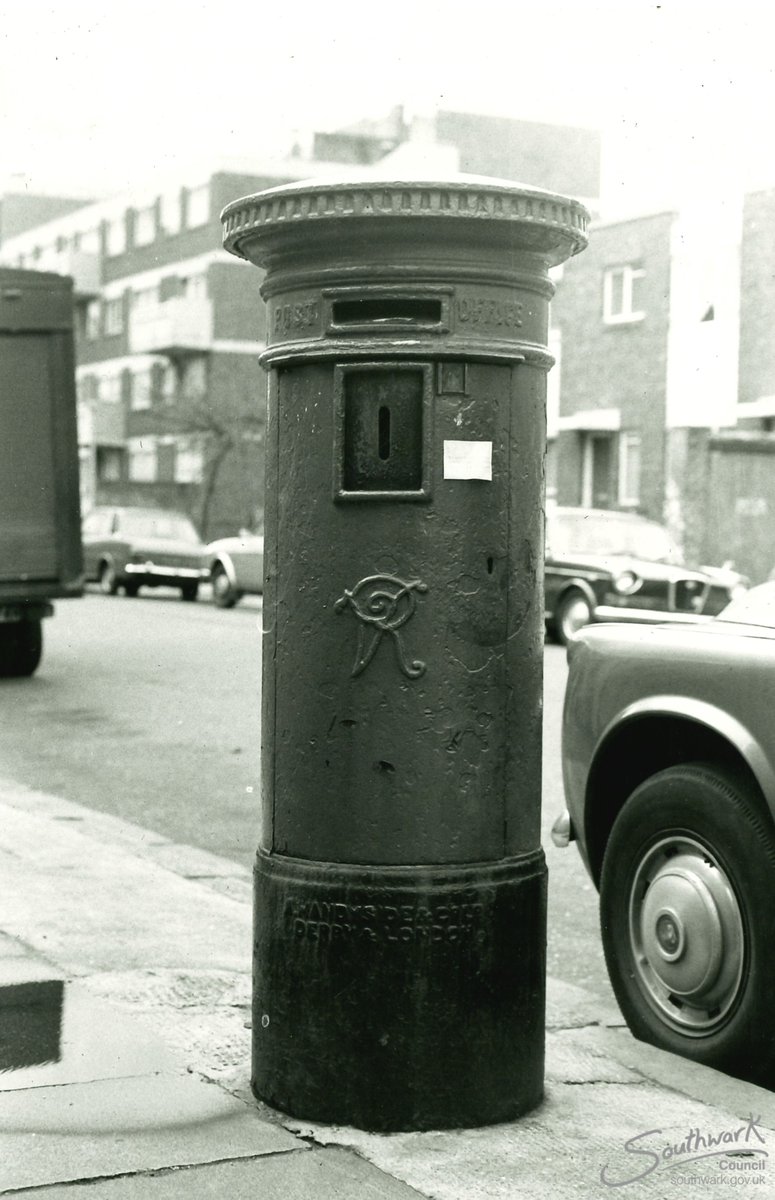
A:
(84, 1131)
(573, 1147)
(332, 1174)
(139, 915)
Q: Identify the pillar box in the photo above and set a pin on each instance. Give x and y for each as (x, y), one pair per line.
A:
(400, 920)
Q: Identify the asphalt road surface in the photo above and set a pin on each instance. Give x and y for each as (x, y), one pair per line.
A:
(150, 709)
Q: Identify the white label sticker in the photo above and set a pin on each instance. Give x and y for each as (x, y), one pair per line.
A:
(468, 460)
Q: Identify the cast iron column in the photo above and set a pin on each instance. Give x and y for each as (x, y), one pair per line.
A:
(400, 882)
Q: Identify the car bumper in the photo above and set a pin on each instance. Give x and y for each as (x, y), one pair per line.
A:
(646, 616)
(148, 570)
(562, 830)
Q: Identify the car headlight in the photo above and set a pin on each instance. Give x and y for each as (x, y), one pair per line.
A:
(627, 582)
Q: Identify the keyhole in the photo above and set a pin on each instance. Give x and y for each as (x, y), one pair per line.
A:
(384, 432)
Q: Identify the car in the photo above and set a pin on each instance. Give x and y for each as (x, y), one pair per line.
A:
(668, 756)
(129, 548)
(236, 567)
(604, 565)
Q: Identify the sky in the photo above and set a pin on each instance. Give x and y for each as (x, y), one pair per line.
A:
(95, 96)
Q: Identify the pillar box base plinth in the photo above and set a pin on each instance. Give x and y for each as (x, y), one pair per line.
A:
(400, 998)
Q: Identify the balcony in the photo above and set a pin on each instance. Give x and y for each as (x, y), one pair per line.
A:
(177, 327)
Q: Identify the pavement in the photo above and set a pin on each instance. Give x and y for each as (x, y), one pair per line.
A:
(125, 1056)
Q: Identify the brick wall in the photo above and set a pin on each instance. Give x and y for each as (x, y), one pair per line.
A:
(616, 366)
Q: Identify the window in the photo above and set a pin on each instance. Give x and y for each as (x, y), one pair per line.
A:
(622, 294)
(198, 208)
(141, 390)
(109, 389)
(629, 468)
(168, 384)
(93, 320)
(170, 212)
(145, 225)
(115, 236)
(114, 316)
(195, 378)
(189, 460)
(597, 470)
(110, 461)
(142, 460)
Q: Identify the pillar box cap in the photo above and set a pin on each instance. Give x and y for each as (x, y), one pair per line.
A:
(516, 217)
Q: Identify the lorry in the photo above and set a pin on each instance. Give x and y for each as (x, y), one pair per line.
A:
(40, 523)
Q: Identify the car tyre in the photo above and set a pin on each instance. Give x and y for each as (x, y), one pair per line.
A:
(131, 589)
(573, 612)
(189, 591)
(108, 579)
(225, 594)
(21, 648)
(687, 918)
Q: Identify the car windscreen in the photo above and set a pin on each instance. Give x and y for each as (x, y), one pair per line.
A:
(583, 533)
(168, 526)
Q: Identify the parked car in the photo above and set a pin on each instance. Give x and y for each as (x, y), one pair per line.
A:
(669, 772)
(236, 567)
(131, 548)
(617, 566)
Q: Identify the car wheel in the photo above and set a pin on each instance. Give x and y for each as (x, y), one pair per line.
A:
(688, 922)
(572, 614)
(189, 591)
(21, 648)
(108, 579)
(131, 589)
(225, 594)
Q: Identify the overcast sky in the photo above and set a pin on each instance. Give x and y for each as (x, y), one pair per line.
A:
(95, 95)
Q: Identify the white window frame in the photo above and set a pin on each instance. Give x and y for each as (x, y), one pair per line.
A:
(115, 237)
(198, 206)
(114, 316)
(629, 273)
(93, 320)
(141, 390)
(143, 460)
(189, 460)
(171, 212)
(109, 389)
(145, 225)
(169, 383)
(628, 442)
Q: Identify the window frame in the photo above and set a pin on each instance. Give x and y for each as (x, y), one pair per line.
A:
(629, 439)
(630, 273)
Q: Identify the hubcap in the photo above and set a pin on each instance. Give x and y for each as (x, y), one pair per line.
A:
(686, 932)
(575, 616)
(221, 583)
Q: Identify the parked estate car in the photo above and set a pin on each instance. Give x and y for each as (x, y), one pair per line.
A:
(617, 566)
(669, 773)
(131, 548)
(236, 567)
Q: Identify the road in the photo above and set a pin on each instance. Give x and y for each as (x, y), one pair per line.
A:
(150, 709)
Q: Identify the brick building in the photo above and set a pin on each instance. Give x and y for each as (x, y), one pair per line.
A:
(169, 326)
(665, 398)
